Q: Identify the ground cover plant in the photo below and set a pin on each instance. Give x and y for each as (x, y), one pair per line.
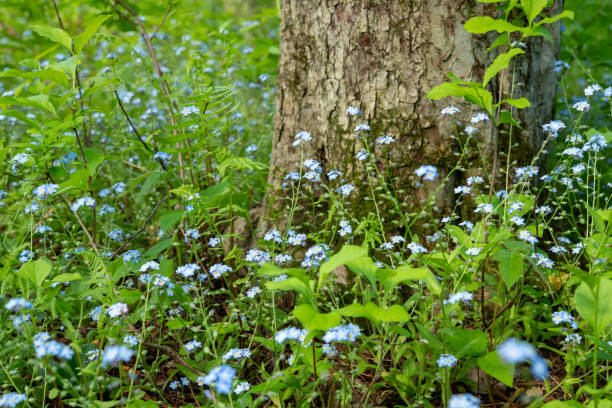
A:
(148, 259)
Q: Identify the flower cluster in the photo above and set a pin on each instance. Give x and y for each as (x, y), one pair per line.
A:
(514, 351)
(350, 332)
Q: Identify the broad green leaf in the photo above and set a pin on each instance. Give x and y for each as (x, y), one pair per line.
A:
(532, 8)
(94, 159)
(68, 66)
(178, 323)
(169, 219)
(312, 320)
(130, 295)
(293, 284)
(67, 277)
(54, 34)
(492, 364)
(460, 236)
(376, 314)
(538, 31)
(481, 25)
(506, 117)
(501, 62)
(520, 103)
(563, 404)
(465, 342)
(447, 89)
(269, 269)
(407, 273)
(549, 20)
(584, 299)
(158, 248)
(502, 39)
(364, 266)
(36, 271)
(510, 266)
(473, 93)
(346, 254)
(77, 180)
(91, 27)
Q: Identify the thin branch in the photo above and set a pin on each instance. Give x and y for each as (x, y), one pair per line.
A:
(144, 225)
(164, 85)
(166, 14)
(130, 122)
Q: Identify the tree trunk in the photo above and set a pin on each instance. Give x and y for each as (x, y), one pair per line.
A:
(383, 56)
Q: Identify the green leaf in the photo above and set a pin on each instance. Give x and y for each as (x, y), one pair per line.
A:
(364, 266)
(506, 117)
(94, 159)
(53, 393)
(549, 20)
(130, 296)
(563, 404)
(376, 314)
(178, 323)
(91, 27)
(312, 320)
(346, 254)
(406, 273)
(501, 62)
(67, 277)
(465, 342)
(67, 66)
(520, 103)
(584, 299)
(492, 364)
(459, 236)
(538, 31)
(293, 284)
(169, 219)
(35, 271)
(510, 266)
(502, 39)
(158, 248)
(532, 8)
(54, 34)
(481, 25)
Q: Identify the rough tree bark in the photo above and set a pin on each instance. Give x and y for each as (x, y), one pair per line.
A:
(383, 56)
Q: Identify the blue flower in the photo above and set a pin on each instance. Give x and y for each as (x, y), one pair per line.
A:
(187, 270)
(352, 110)
(237, 353)
(118, 188)
(515, 351)
(446, 360)
(131, 340)
(303, 136)
(345, 190)
(251, 293)
(112, 355)
(25, 255)
(45, 190)
(17, 304)
(11, 399)
(116, 235)
(192, 233)
(95, 313)
(132, 255)
(219, 269)
(192, 345)
(428, 172)
(222, 378)
(242, 387)
(350, 332)
(117, 310)
(463, 401)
